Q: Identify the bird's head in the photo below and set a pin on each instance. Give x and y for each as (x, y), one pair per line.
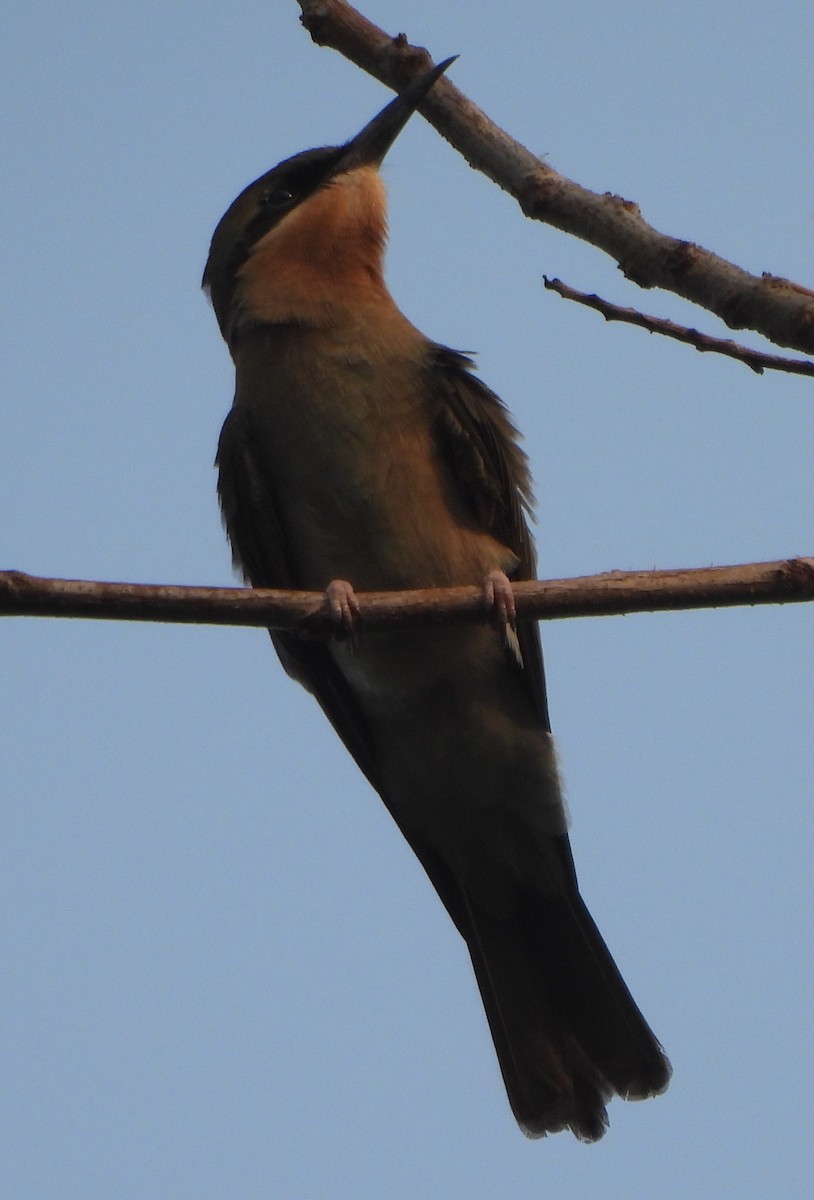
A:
(315, 220)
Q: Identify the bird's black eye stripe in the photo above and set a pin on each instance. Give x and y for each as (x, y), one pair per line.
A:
(279, 197)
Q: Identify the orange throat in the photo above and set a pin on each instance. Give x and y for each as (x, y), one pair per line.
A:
(327, 252)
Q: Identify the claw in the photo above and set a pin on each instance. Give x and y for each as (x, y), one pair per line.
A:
(343, 607)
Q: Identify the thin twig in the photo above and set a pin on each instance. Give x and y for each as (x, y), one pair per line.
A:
(781, 310)
(609, 594)
(754, 359)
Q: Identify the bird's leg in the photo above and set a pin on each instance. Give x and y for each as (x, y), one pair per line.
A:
(343, 608)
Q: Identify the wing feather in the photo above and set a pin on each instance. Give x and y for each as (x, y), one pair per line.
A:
(481, 448)
(261, 551)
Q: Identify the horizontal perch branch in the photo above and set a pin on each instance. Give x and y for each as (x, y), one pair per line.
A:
(609, 594)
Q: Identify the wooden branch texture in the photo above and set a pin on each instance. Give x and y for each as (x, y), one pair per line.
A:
(779, 309)
(610, 594)
(754, 359)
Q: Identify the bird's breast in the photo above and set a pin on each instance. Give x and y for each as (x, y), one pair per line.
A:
(343, 432)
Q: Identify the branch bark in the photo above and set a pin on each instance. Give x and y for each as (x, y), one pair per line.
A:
(610, 594)
(754, 359)
(779, 309)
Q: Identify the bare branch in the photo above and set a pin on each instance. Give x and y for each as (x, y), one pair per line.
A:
(781, 310)
(704, 342)
(609, 594)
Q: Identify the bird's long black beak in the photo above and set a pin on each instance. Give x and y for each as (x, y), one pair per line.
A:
(369, 146)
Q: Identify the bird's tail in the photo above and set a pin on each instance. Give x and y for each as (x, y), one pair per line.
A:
(566, 1029)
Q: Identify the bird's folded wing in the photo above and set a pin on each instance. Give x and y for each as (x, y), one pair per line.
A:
(260, 551)
(480, 446)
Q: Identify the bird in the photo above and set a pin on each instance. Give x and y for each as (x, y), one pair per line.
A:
(360, 455)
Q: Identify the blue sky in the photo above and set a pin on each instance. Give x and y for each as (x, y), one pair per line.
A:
(224, 974)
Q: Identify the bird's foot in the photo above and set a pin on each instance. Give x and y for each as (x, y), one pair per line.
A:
(499, 600)
(343, 608)
(498, 597)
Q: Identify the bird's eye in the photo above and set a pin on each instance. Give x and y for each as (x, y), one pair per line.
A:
(277, 198)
